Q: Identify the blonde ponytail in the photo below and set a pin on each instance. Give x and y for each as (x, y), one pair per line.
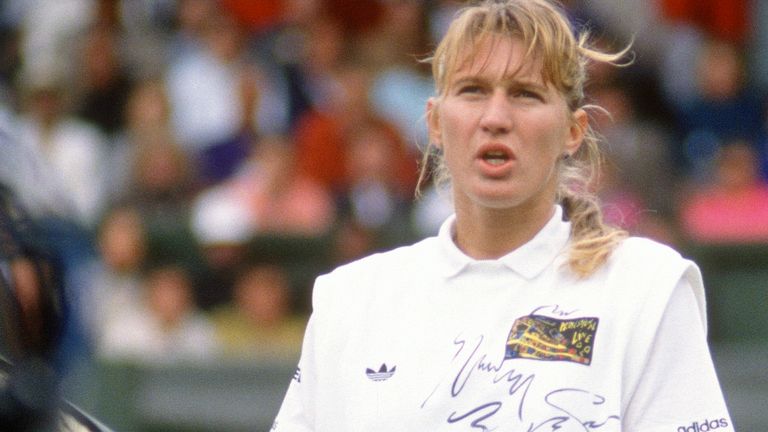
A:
(592, 240)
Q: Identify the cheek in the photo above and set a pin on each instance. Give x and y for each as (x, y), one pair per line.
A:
(546, 146)
(454, 146)
(554, 137)
(455, 128)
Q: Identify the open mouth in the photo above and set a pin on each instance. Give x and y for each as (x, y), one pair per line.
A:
(495, 157)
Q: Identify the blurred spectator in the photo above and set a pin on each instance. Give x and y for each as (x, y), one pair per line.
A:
(162, 183)
(190, 19)
(275, 38)
(623, 207)
(222, 228)
(723, 20)
(319, 135)
(400, 35)
(363, 159)
(259, 322)
(106, 83)
(266, 204)
(146, 29)
(219, 98)
(71, 150)
(168, 328)
(48, 28)
(377, 201)
(726, 108)
(639, 151)
(356, 18)
(162, 188)
(401, 84)
(112, 283)
(734, 207)
(323, 134)
(278, 198)
(10, 56)
(147, 123)
(624, 21)
(758, 46)
(323, 50)
(677, 64)
(257, 17)
(147, 108)
(203, 85)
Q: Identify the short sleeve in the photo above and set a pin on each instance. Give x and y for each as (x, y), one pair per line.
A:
(678, 386)
(296, 411)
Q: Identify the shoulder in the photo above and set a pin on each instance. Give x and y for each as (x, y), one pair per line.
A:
(641, 267)
(640, 247)
(646, 256)
(645, 271)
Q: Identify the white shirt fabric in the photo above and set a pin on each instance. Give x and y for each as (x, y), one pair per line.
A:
(421, 339)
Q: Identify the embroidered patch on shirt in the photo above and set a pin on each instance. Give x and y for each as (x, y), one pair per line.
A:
(540, 337)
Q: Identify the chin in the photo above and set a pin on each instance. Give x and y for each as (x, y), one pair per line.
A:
(510, 200)
(498, 201)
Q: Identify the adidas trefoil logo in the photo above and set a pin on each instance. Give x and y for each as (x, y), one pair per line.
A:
(382, 375)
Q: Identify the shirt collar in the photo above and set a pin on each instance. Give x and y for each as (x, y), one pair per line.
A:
(529, 260)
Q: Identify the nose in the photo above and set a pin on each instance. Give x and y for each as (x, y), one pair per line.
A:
(497, 116)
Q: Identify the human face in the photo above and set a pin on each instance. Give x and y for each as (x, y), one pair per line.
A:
(502, 129)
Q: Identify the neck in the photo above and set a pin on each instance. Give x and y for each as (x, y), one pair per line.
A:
(493, 233)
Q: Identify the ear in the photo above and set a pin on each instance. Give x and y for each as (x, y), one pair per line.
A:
(577, 131)
(433, 122)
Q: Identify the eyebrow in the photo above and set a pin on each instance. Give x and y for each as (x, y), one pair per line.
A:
(507, 80)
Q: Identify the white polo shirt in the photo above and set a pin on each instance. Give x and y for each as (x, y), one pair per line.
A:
(425, 338)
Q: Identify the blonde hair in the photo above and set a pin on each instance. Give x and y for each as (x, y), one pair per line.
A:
(546, 31)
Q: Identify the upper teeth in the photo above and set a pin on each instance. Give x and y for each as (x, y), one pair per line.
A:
(495, 157)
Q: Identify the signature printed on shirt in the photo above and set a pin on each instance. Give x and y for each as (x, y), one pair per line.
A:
(571, 408)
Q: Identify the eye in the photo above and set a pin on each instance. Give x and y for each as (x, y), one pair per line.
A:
(527, 94)
(470, 89)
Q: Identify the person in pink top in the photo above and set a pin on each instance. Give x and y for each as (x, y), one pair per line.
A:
(734, 208)
(277, 198)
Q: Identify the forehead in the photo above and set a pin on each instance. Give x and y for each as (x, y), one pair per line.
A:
(499, 57)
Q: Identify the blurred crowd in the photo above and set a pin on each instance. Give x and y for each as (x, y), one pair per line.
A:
(199, 162)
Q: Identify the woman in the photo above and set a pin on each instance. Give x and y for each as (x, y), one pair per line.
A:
(525, 313)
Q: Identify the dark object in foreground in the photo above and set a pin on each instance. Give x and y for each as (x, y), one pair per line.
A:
(32, 316)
